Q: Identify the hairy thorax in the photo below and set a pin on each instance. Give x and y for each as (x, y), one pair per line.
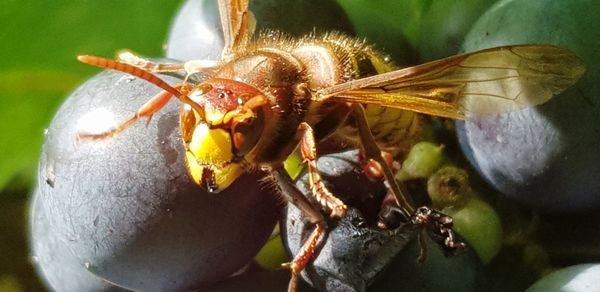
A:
(288, 71)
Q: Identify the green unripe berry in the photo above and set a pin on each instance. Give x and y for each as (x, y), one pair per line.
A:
(272, 255)
(478, 223)
(422, 160)
(449, 186)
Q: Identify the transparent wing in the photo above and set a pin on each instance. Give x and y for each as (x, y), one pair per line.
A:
(238, 24)
(491, 81)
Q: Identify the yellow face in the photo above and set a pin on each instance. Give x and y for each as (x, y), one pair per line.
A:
(219, 129)
(210, 158)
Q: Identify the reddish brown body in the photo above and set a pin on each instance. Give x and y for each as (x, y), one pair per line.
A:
(287, 72)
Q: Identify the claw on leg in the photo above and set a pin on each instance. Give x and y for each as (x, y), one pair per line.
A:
(439, 226)
(304, 256)
(310, 247)
(318, 189)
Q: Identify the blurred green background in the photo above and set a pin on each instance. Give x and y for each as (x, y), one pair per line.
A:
(38, 68)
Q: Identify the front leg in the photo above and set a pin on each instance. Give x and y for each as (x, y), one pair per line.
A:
(320, 194)
(318, 189)
(146, 111)
(291, 194)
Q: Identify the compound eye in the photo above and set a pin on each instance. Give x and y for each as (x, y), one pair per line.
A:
(187, 122)
(246, 133)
